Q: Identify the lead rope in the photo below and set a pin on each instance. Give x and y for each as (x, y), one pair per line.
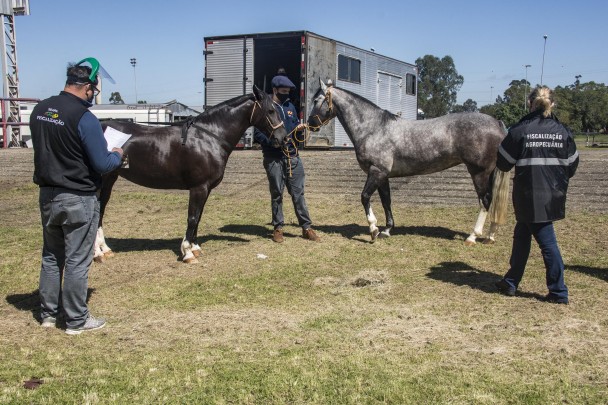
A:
(307, 128)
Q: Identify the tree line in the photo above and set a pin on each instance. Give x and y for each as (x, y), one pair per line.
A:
(583, 107)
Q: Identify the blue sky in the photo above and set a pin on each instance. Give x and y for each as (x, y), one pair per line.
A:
(490, 41)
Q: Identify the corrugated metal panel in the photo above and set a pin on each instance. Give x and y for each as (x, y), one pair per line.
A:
(16, 7)
(320, 63)
(382, 82)
(224, 69)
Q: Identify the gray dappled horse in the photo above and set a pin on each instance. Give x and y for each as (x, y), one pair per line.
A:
(387, 146)
(190, 155)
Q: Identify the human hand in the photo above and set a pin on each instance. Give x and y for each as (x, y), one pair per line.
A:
(301, 127)
(119, 150)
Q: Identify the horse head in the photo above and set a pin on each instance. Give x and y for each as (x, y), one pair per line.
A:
(265, 118)
(322, 107)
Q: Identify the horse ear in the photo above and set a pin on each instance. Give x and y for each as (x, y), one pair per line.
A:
(257, 92)
(323, 86)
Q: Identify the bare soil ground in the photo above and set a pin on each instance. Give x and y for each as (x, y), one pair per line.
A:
(336, 173)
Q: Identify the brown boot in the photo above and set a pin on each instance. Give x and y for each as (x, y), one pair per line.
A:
(277, 235)
(310, 235)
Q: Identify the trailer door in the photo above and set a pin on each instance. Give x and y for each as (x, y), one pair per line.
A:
(228, 69)
(389, 92)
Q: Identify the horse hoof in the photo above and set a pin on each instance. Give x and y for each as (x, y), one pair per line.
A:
(99, 259)
(469, 242)
(108, 254)
(384, 235)
(190, 260)
(488, 241)
(374, 235)
(197, 253)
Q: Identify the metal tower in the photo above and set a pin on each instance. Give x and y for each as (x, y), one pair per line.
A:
(10, 81)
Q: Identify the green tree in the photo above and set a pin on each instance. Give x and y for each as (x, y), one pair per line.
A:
(468, 106)
(438, 86)
(115, 98)
(510, 107)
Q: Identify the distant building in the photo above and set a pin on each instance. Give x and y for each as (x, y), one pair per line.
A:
(141, 113)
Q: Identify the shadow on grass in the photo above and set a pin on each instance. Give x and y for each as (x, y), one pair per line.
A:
(140, 244)
(253, 230)
(355, 231)
(601, 273)
(459, 273)
(31, 301)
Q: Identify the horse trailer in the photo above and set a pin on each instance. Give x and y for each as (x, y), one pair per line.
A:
(235, 63)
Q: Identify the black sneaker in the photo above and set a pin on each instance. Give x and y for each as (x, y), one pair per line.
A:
(555, 300)
(505, 288)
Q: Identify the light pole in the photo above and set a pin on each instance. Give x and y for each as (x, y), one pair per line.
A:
(526, 86)
(542, 68)
(133, 63)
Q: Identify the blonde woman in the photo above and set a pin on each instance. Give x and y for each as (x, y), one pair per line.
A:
(545, 157)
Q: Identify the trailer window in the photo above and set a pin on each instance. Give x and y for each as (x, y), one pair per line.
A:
(349, 69)
(410, 84)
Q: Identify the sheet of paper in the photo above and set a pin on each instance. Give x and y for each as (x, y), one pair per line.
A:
(115, 138)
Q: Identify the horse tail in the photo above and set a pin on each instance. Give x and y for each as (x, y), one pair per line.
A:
(500, 194)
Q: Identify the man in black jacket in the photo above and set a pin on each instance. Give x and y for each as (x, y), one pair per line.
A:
(70, 154)
(545, 157)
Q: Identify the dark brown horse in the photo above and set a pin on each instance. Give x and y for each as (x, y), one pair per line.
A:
(191, 156)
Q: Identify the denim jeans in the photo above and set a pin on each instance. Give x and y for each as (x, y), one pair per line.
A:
(277, 170)
(69, 221)
(544, 234)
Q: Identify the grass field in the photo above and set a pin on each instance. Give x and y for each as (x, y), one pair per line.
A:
(410, 319)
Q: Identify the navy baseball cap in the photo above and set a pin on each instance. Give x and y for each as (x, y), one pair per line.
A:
(282, 81)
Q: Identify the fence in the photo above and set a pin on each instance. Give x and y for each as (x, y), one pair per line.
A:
(7, 125)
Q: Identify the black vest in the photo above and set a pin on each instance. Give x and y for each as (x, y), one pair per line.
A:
(59, 157)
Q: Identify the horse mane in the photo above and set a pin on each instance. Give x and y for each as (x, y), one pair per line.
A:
(385, 115)
(233, 102)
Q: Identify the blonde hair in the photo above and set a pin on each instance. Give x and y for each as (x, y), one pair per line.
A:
(541, 98)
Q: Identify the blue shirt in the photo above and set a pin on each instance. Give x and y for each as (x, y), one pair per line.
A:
(95, 144)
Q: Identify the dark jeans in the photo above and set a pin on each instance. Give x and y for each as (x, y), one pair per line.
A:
(544, 234)
(69, 223)
(277, 170)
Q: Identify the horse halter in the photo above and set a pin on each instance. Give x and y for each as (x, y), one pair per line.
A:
(330, 106)
(274, 127)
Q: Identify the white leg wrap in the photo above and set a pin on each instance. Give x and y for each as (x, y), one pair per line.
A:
(188, 256)
(372, 221)
(186, 247)
(385, 233)
(493, 229)
(98, 243)
(478, 229)
(102, 241)
(481, 220)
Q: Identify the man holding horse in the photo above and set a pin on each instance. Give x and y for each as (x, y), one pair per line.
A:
(284, 165)
(70, 154)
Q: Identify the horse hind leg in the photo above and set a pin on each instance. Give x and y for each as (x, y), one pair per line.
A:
(375, 177)
(478, 229)
(385, 197)
(189, 248)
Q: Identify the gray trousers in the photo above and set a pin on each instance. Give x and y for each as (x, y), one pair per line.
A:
(69, 222)
(277, 170)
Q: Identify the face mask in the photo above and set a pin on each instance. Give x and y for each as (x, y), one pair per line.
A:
(282, 97)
